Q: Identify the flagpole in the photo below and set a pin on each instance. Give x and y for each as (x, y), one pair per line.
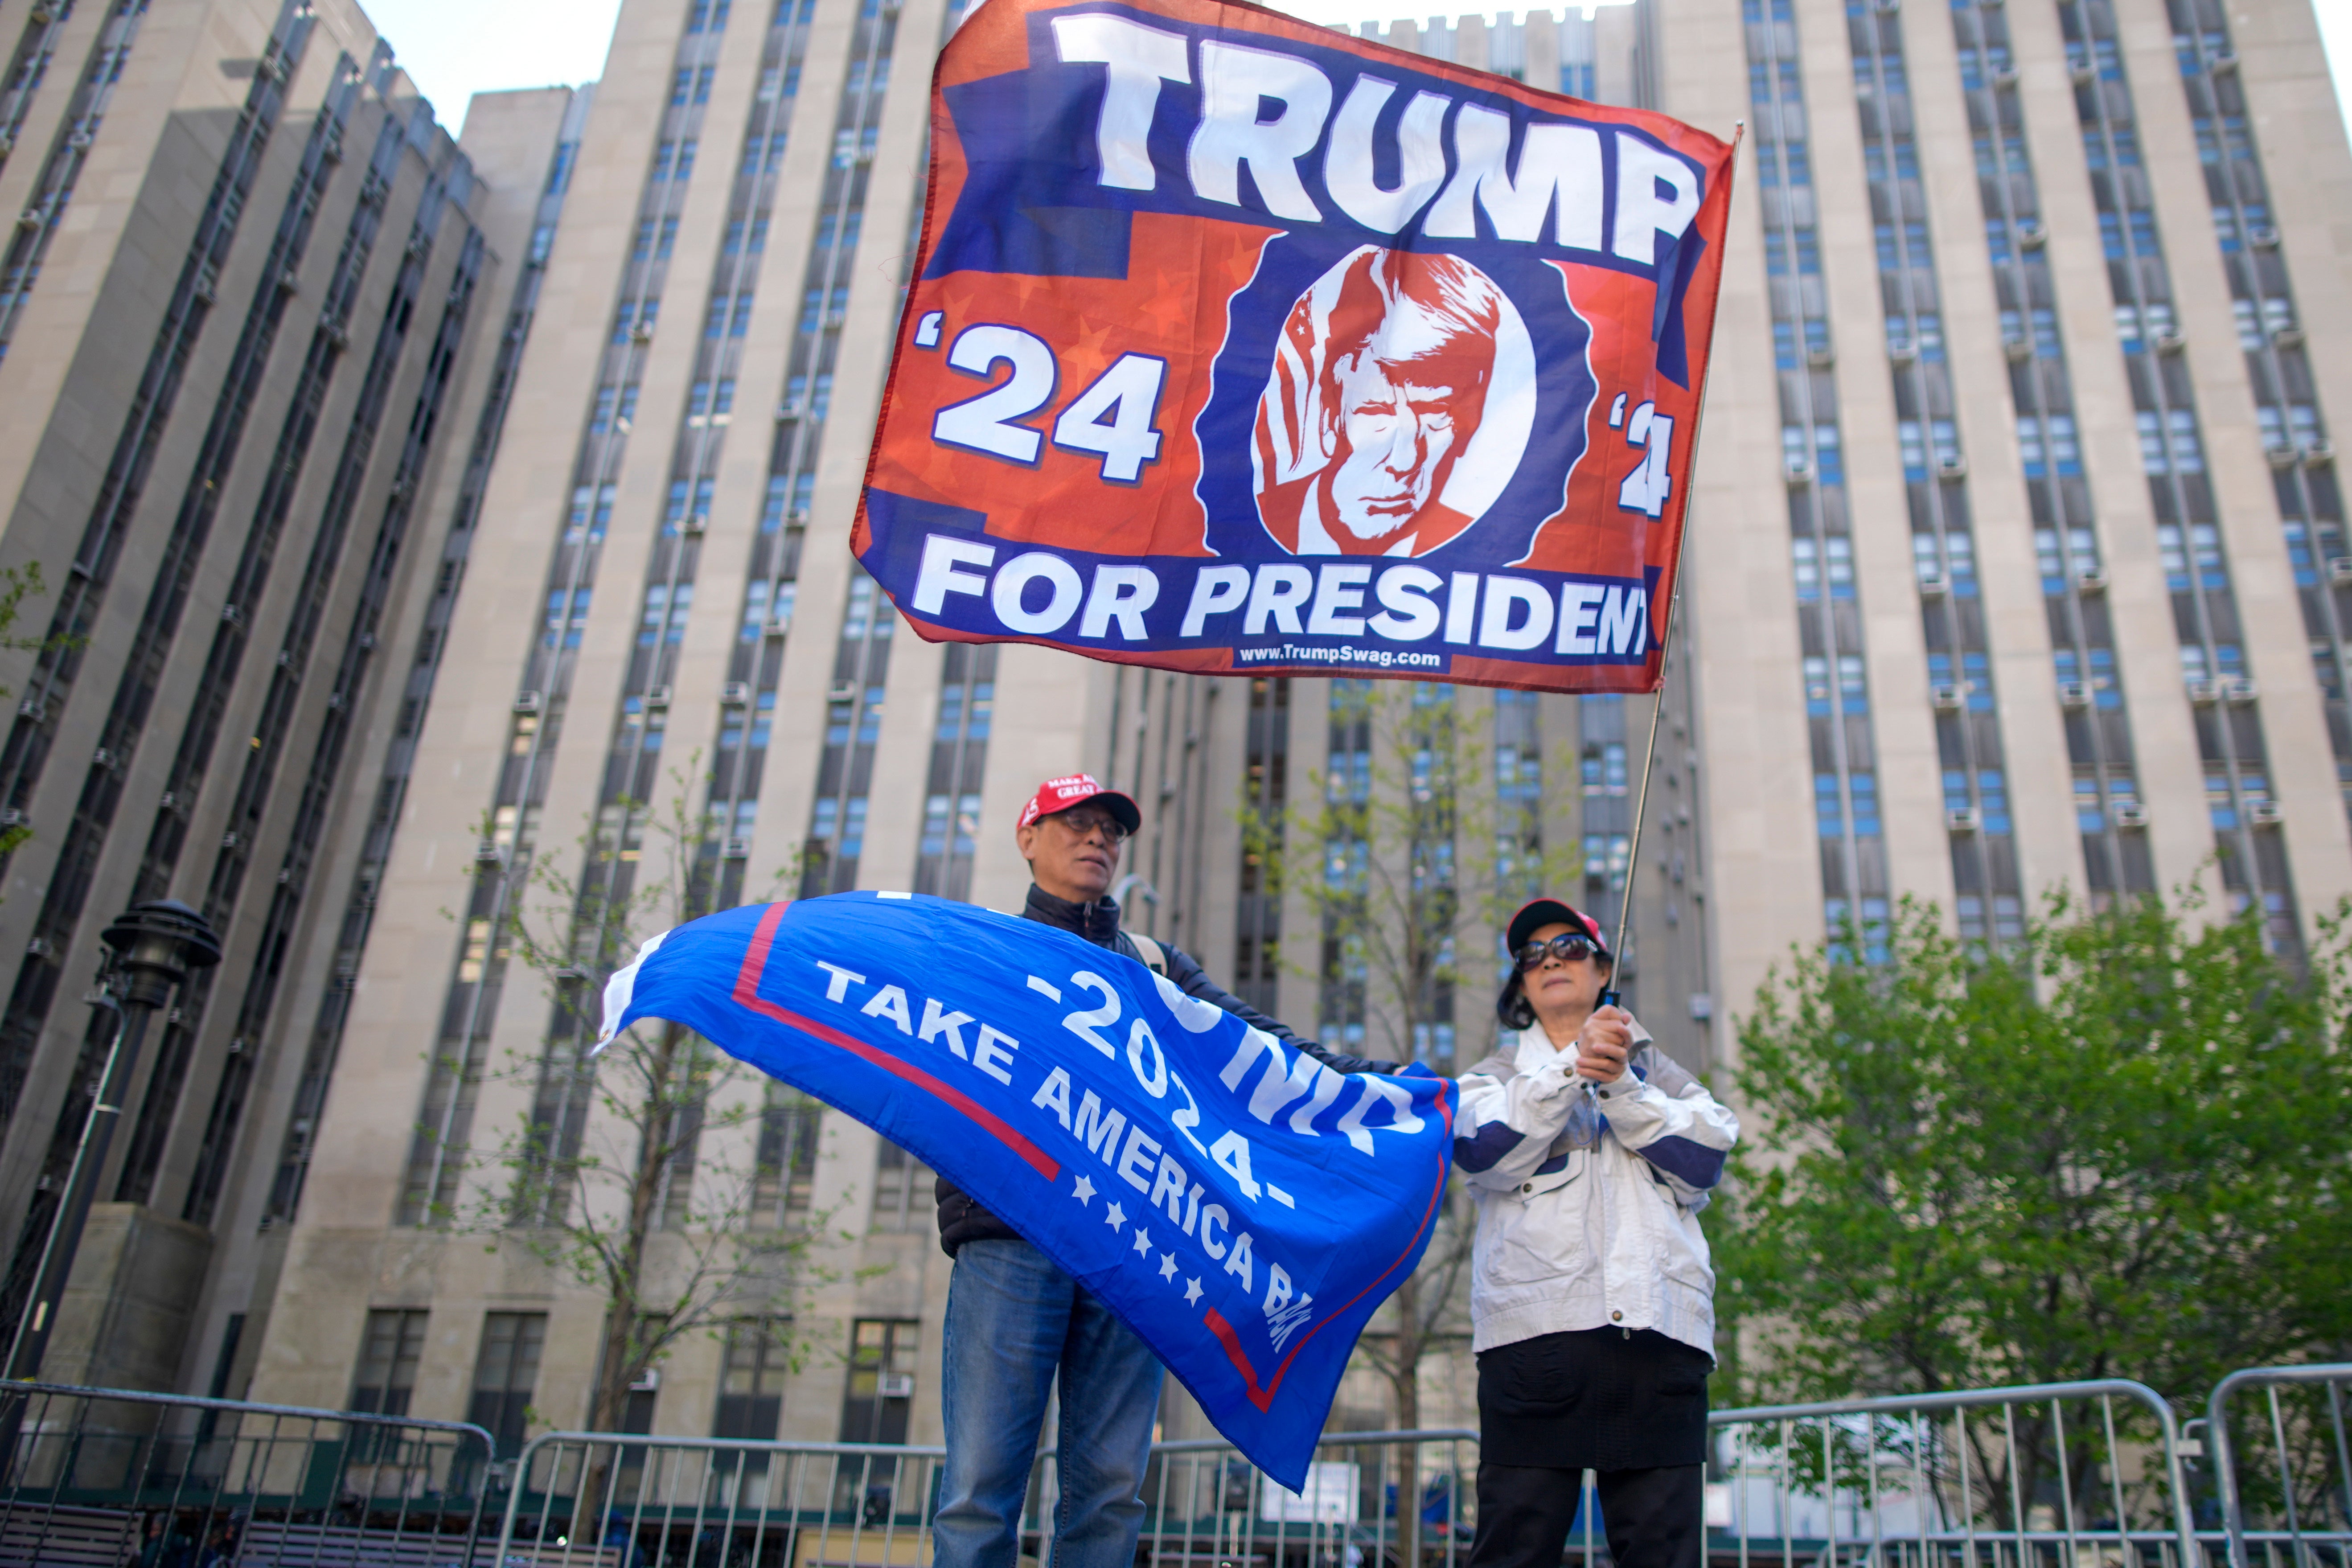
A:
(1610, 995)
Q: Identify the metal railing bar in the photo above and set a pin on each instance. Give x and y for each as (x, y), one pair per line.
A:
(2225, 1468)
(738, 1445)
(9, 1388)
(1948, 1399)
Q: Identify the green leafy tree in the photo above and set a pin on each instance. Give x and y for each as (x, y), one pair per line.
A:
(2122, 1149)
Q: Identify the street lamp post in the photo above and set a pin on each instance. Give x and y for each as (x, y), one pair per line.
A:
(155, 945)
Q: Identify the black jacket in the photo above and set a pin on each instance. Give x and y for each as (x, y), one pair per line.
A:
(962, 1219)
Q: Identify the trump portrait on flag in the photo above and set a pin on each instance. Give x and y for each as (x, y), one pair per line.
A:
(1403, 393)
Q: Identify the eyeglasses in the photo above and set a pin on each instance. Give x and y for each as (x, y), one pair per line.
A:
(1565, 947)
(1081, 824)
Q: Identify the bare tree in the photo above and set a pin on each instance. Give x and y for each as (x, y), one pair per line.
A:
(659, 1172)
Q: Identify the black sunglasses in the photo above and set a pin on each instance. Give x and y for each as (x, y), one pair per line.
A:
(1565, 947)
(1083, 824)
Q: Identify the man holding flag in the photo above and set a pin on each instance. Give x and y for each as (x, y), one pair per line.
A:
(1014, 1320)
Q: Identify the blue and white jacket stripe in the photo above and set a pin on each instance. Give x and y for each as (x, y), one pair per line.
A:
(1589, 1202)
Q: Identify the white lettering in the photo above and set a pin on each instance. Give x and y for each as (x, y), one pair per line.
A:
(1560, 162)
(1087, 1025)
(1279, 591)
(1277, 1289)
(1014, 580)
(1139, 58)
(938, 1022)
(1338, 588)
(1189, 1117)
(838, 986)
(1421, 159)
(1377, 1089)
(1168, 1187)
(1238, 1265)
(1099, 1129)
(1236, 83)
(1579, 607)
(1053, 1094)
(1231, 1154)
(1277, 1089)
(1621, 618)
(1407, 615)
(943, 555)
(1154, 1082)
(890, 1002)
(1135, 1160)
(1505, 596)
(1461, 606)
(1642, 214)
(1120, 593)
(1215, 592)
(1251, 1042)
(1213, 1214)
(1328, 1085)
(989, 1059)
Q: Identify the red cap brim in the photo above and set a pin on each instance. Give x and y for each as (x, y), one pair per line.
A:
(1540, 912)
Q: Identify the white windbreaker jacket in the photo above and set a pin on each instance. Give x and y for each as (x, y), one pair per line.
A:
(1588, 1203)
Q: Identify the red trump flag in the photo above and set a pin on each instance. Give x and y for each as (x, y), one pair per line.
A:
(1238, 345)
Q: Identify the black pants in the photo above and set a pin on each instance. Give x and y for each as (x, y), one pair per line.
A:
(1655, 1518)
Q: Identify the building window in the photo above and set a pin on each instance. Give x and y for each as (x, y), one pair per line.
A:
(751, 1385)
(504, 1375)
(389, 1352)
(881, 1391)
(901, 1190)
(788, 1124)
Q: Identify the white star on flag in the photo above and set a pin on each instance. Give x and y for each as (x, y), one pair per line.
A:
(1168, 1266)
(1116, 1217)
(1084, 1190)
(1142, 1241)
(1192, 1291)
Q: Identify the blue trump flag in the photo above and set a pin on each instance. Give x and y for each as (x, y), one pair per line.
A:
(1242, 1207)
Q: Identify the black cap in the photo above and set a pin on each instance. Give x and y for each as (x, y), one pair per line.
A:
(1541, 913)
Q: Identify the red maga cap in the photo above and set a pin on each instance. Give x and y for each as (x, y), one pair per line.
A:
(1551, 911)
(1062, 793)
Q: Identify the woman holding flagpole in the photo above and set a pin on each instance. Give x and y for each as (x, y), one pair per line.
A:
(1589, 1155)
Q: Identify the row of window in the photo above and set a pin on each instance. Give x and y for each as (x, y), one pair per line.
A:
(1853, 862)
(2205, 611)
(754, 1366)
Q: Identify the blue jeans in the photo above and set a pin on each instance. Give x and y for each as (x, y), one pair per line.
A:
(1013, 1320)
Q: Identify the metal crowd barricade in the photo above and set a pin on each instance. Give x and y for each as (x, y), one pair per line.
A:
(1372, 1500)
(601, 1500)
(2070, 1475)
(104, 1478)
(2294, 1504)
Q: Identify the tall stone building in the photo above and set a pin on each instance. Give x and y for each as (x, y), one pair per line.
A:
(246, 300)
(2034, 318)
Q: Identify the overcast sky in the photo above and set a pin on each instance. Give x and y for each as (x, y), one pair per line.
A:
(455, 48)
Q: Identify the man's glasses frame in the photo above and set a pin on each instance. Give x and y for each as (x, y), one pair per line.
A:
(1113, 829)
